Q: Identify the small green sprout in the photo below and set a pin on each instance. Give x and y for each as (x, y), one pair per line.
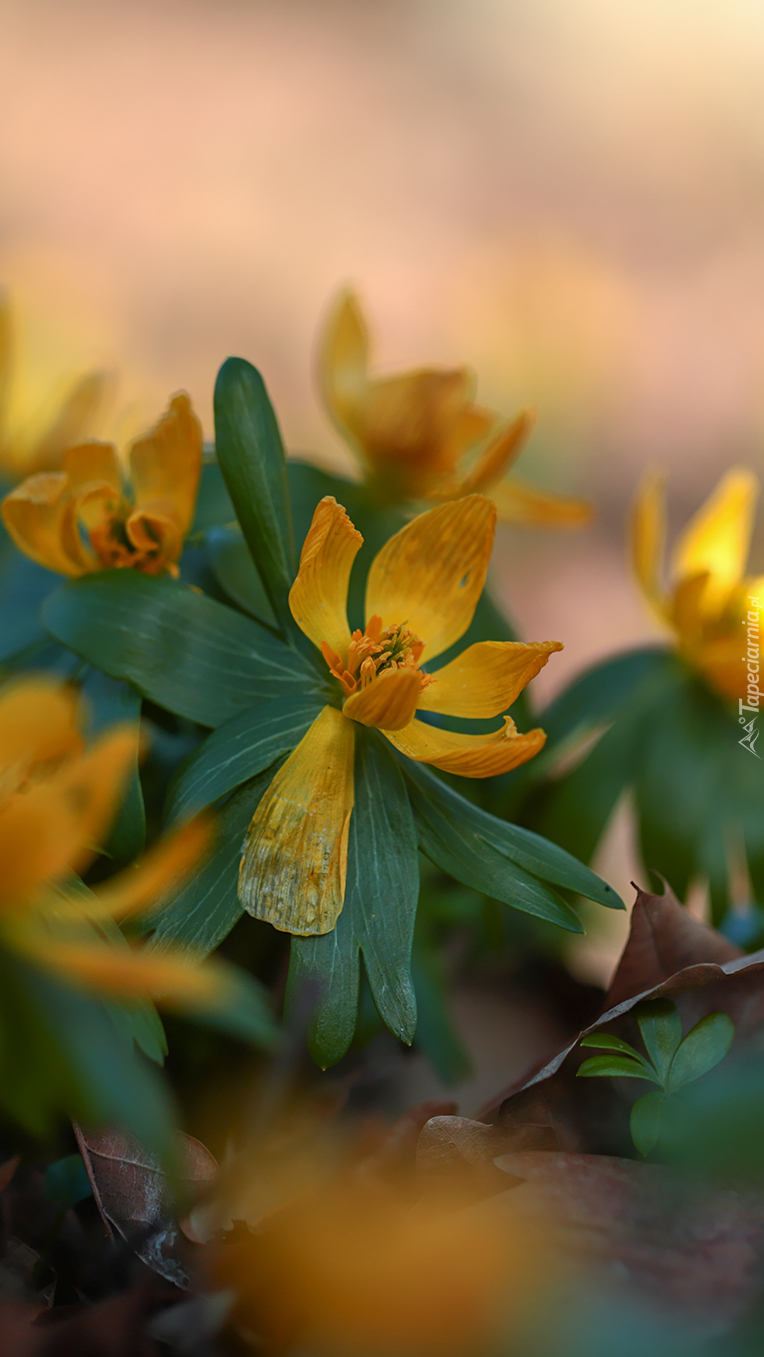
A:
(670, 1063)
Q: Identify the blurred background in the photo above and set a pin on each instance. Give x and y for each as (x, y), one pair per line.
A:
(566, 194)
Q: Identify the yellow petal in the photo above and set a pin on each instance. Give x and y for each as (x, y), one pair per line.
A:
(343, 361)
(388, 702)
(90, 463)
(39, 723)
(468, 755)
(76, 420)
(318, 597)
(486, 678)
(430, 574)
(648, 539)
(56, 825)
(500, 454)
(294, 866)
(718, 538)
(166, 464)
(523, 504)
(159, 874)
(125, 973)
(41, 518)
(412, 423)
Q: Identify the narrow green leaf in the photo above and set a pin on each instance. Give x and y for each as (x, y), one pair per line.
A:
(184, 651)
(377, 918)
(645, 1121)
(238, 750)
(205, 910)
(602, 1041)
(235, 571)
(109, 702)
(613, 1066)
(702, 1049)
(661, 1029)
(251, 457)
(530, 852)
(447, 836)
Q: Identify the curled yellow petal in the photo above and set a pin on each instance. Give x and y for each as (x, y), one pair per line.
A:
(430, 574)
(486, 678)
(41, 518)
(500, 454)
(717, 540)
(468, 755)
(343, 361)
(90, 463)
(388, 702)
(318, 597)
(523, 504)
(648, 539)
(166, 464)
(294, 866)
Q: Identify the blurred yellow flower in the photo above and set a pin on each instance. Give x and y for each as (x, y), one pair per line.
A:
(421, 593)
(82, 518)
(419, 436)
(57, 800)
(709, 599)
(25, 447)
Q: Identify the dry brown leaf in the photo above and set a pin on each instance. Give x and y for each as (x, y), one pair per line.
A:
(132, 1193)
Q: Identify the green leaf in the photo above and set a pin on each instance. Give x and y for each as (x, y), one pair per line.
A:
(184, 651)
(251, 457)
(530, 851)
(235, 572)
(613, 1066)
(67, 1182)
(596, 696)
(437, 1036)
(206, 909)
(24, 586)
(602, 1041)
(111, 701)
(645, 1121)
(702, 1049)
(236, 751)
(377, 918)
(661, 1028)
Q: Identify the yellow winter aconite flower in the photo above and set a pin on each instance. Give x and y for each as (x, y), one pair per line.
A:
(26, 446)
(83, 518)
(710, 597)
(421, 593)
(419, 435)
(57, 800)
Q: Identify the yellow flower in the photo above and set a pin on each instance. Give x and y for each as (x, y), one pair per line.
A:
(708, 604)
(419, 436)
(25, 449)
(421, 593)
(57, 800)
(82, 518)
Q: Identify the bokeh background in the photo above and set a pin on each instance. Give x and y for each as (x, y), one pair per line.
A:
(567, 194)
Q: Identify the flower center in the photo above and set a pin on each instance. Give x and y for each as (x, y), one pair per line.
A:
(371, 652)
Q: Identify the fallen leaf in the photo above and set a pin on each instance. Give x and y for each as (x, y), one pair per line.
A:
(132, 1193)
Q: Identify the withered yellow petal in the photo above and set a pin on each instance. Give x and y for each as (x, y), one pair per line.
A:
(39, 723)
(430, 574)
(159, 874)
(486, 678)
(523, 504)
(500, 454)
(388, 702)
(718, 538)
(318, 597)
(41, 518)
(93, 463)
(76, 419)
(166, 464)
(294, 867)
(468, 755)
(343, 360)
(648, 539)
